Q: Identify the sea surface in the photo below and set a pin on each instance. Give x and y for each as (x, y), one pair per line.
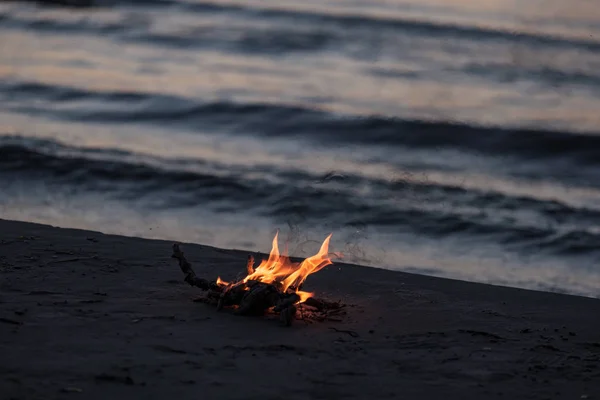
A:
(445, 137)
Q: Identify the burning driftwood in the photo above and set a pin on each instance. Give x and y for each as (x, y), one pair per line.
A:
(273, 287)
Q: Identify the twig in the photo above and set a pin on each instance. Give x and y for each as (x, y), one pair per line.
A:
(190, 275)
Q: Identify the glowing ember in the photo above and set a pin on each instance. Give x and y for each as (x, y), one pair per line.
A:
(278, 269)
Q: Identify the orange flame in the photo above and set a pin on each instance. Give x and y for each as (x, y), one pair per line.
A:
(221, 282)
(290, 275)
(304, 296)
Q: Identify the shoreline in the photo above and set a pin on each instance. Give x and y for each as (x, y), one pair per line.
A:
(106, 315)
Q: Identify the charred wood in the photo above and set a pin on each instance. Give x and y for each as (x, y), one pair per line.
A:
(190, 275)
(258, 299)
(287, 301)
(322, 304)
(287, 315)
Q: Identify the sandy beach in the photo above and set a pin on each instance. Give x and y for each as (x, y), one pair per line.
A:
(94, 316)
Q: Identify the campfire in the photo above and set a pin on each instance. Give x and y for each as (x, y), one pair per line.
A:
(274, 287)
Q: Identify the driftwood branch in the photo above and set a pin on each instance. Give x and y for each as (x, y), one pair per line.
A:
(190, 275)
(253, 297)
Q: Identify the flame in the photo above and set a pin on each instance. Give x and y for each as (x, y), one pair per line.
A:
(304, 296)
(290, 275)
(221, 282)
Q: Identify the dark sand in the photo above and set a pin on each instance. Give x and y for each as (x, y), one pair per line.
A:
(92, 316)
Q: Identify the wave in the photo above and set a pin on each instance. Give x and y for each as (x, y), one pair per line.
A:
(83, 24)
(246, 39)
(95, 3)
(344, 22)
(93, 168)
(262, 119)
(548, 75)
(432, 210)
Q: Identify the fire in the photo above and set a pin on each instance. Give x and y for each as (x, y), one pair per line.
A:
(279, 269)
(221, 282)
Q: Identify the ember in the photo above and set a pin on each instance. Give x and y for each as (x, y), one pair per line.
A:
(274, 286)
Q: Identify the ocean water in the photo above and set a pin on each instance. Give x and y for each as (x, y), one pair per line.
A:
(443, 137)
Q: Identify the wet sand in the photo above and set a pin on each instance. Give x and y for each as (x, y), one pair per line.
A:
(87, 315)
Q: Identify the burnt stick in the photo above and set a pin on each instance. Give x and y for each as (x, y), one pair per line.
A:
(258, 299)
(190, 275)
(287, 301)
(287, 315)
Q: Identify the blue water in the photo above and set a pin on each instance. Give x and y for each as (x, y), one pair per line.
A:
(442, 137)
